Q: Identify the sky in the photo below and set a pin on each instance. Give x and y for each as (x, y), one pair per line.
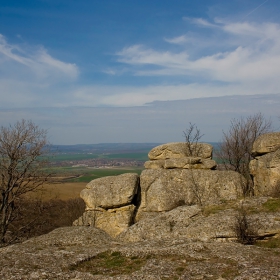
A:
(94, 71)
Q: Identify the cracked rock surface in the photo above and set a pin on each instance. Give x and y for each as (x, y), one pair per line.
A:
(179, 244)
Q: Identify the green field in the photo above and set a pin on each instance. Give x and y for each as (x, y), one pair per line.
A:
(98, 173)
(84, 174)
(84, 156)
(70, 157)
(135, 156)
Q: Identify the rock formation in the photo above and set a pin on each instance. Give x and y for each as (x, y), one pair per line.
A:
(109, 203)
(163, 190)
(177, 174)
(160, 226)
(265, 167)
(181, 155)
(195, 223)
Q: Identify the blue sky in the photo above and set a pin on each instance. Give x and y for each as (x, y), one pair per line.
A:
(59, 54)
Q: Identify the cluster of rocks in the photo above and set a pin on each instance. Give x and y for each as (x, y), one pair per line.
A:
(176, 175)
(265, 167)
(157, 217)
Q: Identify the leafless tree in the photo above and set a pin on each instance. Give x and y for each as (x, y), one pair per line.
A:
(192, 136)
(23, 157)
(235, 149)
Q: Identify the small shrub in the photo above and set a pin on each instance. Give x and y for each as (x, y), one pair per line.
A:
(244, 228)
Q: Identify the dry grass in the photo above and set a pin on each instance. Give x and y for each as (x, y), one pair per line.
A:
(63, 191)
(35, 217)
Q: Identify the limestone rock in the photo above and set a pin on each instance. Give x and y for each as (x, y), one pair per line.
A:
(180, 150)
(190, 222)
(165, 189)
(56, 255)
(266, 172)
(111, 191)
(266, 143)
(154, 164)
(112, 221)
(186, 163)
(190, 163)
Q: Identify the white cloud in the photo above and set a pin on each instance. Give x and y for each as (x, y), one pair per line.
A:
(202, 22)
(121, 96)
(139, 55)
(177, 40)
(256, 60)
(31, 76)
(38, 62)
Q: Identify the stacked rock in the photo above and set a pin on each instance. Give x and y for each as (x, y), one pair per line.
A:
(109, 203)
(265, 167)
(177, 174)
(181, 155)
(181, 174)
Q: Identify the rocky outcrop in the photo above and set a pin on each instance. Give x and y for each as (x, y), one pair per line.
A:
(181, 155)
(113, 221)
(185, 163)
(109, 203)
(65, 254)
(266, 143)
(180, 150)
(177, 174)
(265, 167)
(195, 223)
(111, 191)
(163, 190)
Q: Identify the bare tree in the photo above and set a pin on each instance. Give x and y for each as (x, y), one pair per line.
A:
(235, 149)
(22, 161)
(192, 136)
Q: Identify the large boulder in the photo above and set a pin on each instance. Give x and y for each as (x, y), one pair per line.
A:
(180, 150)
(110, 203)
(113, 221)
(266, 143)
(266, 173)
(165, 189)
(111, 191)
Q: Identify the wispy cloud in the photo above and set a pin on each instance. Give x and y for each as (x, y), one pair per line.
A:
(177, 40)
(256, 60)
(139, 55)
(30, 75)
(201, 22)
(37, 61)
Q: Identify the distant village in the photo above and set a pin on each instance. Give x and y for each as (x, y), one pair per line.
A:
(100, 163)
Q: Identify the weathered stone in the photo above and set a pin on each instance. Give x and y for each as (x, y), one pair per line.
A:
(112, 221)
(266, 143)
(58, 255)
(195, 163)
(154, 164)
(186, 163)
(163, 190)
(266, 172)
(180, 150)
(190, 222)
(111, 191)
